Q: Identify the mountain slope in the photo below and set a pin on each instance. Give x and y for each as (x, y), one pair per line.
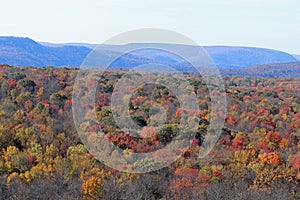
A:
(26, 52)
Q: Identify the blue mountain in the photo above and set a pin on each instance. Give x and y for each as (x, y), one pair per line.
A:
(27, 52)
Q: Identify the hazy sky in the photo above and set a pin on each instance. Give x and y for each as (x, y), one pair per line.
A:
(262, 23)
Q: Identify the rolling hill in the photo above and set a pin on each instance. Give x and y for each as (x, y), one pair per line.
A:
(27, 52)
(241, 57)
(223, 56)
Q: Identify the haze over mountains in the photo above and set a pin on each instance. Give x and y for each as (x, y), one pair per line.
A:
(27, 52)
(297, 57)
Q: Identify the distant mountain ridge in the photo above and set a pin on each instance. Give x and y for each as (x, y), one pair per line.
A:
(241, 57)
(27, 52)
(228, 56)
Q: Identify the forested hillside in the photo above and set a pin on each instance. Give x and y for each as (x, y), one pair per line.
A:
(42, 156)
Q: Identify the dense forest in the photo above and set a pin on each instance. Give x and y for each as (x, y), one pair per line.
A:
(42, 156)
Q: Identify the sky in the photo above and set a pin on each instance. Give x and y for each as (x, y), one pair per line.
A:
(271, 24)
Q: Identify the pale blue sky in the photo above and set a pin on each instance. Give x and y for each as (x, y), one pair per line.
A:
(263, 23)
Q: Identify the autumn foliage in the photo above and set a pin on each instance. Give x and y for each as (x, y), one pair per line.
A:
(40, 149)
